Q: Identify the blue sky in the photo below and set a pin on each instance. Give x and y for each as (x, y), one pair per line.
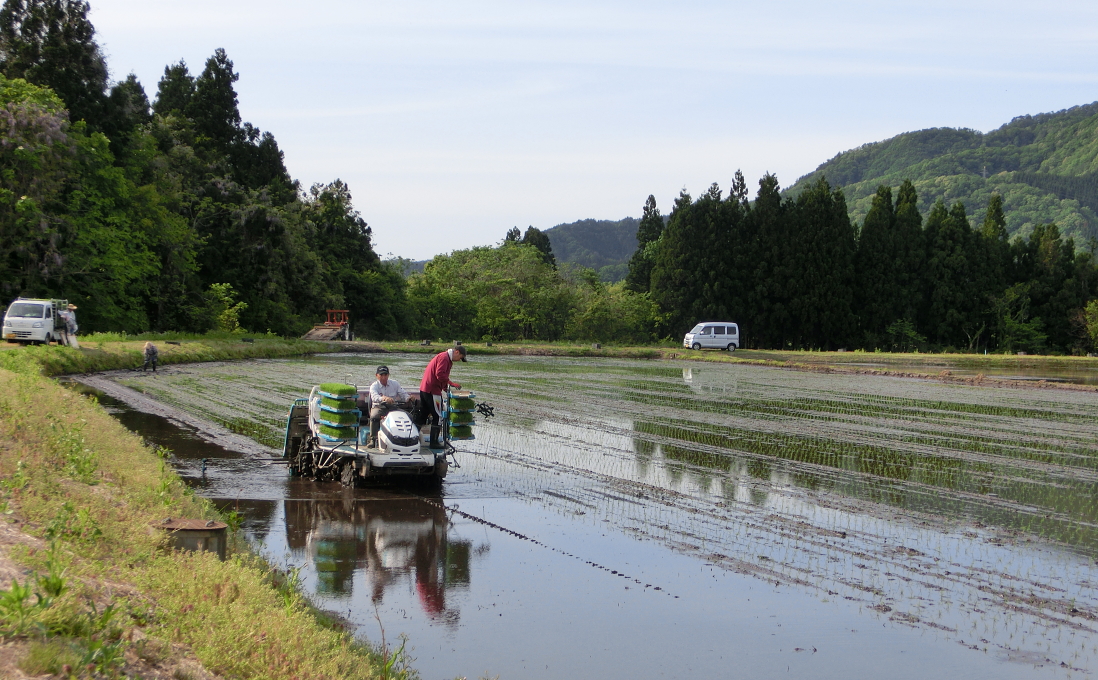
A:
(453, 122)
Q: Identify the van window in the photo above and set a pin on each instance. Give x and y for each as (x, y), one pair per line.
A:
(697, 329)
(718, 330)
(708, 330)
(25, 310)
(733, 330)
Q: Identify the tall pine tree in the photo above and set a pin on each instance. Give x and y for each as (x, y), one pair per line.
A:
(52, 43)
(649, 230)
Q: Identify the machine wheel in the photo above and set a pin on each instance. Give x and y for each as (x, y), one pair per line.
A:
(347, 474)
(731, 347)
(696, 345)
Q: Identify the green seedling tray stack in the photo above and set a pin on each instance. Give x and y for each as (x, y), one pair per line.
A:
(461, 416)
(339, 415)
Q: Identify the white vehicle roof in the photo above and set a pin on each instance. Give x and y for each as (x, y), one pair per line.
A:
(703, 324)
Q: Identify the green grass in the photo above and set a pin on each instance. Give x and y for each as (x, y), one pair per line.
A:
(111, 354)
(84, 484)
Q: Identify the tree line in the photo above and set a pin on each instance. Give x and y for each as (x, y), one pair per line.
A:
(174, 214)
(795, 272)
(164, 214)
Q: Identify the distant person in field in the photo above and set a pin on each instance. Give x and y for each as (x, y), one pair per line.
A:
(69, 316)
(386, 395)
(152, 355)
(436, 380)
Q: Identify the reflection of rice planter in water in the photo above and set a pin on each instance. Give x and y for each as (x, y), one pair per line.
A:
(326, 438)
(393, 543)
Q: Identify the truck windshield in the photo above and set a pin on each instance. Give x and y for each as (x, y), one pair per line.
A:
(26, 310)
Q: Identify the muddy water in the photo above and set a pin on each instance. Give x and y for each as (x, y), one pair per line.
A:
(639, 519)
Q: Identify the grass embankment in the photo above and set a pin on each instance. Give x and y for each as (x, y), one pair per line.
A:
(103, 353)
(103, 596)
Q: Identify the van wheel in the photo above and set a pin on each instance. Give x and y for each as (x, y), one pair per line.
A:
(696, 345)
(731, 347)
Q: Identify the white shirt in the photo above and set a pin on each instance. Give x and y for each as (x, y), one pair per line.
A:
(378, 392)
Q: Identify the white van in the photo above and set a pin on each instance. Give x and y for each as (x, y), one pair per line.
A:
(34, 321)
(714, 334)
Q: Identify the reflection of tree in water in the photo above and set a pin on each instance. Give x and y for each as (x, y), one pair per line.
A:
(390, 540)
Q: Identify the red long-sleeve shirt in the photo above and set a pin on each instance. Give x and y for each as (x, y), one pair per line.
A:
(436, 377)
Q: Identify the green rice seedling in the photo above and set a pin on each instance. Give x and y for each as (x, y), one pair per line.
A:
(462, 404)
(338, 432)
(337, 404)
(461, 431)
(338, 389)
(461, 418)
(340, 417)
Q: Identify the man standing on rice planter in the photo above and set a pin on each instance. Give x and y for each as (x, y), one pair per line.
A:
(436, 379)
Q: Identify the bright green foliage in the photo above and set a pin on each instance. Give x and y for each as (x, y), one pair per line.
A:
(224, 307)
(1090, 322)
(511, 292)
(608, 312)
(508, 292)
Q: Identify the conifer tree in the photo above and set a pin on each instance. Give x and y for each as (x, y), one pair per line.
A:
(649, 230)
(52, 43)
(910, 253)
(952, 283)
(537, 238)
(824, 250)
(127, 107)
(773, 272)
(175, 90)
(213, 107)
(878, 294)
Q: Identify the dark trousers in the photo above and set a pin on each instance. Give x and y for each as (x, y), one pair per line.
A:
(427, 409)
(149, 361)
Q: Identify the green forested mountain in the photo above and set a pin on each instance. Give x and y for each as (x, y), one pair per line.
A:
(1045, 167)
(602, 245)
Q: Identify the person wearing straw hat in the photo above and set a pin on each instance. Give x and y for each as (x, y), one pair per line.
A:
(152, 355)
(69, 315)
(436, 379)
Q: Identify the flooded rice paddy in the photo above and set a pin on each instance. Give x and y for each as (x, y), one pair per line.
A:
(639, 519)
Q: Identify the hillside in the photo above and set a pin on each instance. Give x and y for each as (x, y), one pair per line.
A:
(603, 245)
(1045, 166)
